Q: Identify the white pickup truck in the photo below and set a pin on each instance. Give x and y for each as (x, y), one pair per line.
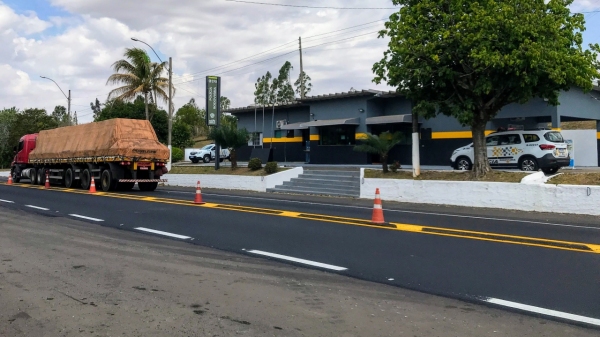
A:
(207, 154)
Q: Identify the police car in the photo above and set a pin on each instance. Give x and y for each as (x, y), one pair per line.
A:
(528, 150)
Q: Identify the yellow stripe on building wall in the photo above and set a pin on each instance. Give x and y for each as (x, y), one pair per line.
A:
(598, 135)
(314, 138)
(455, 134)
(360, 136)
(283, 140)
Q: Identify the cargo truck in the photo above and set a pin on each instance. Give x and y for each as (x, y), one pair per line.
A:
(116, 153)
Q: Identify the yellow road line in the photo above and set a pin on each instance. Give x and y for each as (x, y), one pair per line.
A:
(438, 231)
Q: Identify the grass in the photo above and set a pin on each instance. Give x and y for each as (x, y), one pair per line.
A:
(240, 171)
(498, 176)
(576, 179)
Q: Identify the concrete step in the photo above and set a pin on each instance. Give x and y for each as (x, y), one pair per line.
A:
(313, 190)
(327, 177)
(319, 183)
(301, 180)
(333, 173)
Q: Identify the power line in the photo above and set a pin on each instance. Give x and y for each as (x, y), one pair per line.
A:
(305, 6)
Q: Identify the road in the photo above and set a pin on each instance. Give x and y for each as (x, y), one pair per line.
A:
(536, 263)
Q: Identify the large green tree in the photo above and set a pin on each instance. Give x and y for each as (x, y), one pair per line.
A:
(303, 85)
(139, 77)
(468, 59)
(8, 118)
(61, 116)
(190, 114)
(283, 90)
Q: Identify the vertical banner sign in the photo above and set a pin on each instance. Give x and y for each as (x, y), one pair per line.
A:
(571, 150)
(213, 100)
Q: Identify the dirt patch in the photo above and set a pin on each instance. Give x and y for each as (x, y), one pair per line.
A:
(498, 176)
(576, 179)
(240, 171)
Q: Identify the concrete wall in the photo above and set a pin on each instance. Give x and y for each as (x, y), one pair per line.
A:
(538, 198)
(397, 106)
(585, 144)
(341, 108)
(576, 103)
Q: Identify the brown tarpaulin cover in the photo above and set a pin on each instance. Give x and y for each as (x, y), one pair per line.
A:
(130, 138)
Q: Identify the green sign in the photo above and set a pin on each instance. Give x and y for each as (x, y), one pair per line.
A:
(213, 100)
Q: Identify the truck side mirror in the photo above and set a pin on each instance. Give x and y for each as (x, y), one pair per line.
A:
(15, 150)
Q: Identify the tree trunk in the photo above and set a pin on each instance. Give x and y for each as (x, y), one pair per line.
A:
(481, 166)
(384, 164)
(233, 159)
(146, 105)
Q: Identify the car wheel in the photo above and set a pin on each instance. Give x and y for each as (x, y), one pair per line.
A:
(463, 164)
(528, 164)
(550, 170)
(206, 158)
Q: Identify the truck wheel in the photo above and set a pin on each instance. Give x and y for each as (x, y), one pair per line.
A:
(33, 180)
(148, 186)
(206, 158)
(41, 176)
(15, 178)
(70, 181)
(86, 179)
(106, 181)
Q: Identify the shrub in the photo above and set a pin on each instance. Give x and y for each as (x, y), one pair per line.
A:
(395, 166)
(255, 164)
(271, 167)
(177, 154)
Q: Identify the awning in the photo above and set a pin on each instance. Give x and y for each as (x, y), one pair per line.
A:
(294, 126)
(327, 122)
(389, 119)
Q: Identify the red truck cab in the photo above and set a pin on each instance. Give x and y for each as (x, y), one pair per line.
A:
(26, 145)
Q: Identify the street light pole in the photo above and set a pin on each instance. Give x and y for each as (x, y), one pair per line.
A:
(170, 101)
(67, 97)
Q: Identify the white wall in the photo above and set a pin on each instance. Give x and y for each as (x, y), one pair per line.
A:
(186, 157)
(585, 145)
(525, 197)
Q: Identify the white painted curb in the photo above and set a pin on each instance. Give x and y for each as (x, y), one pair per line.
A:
(4, 173)
(232, 182)
(573, 199)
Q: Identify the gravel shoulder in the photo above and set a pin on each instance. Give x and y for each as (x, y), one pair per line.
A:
(60, 277)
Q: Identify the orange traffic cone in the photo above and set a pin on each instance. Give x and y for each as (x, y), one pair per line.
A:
(93, 186)
(47, 184)
(10, 182)
(198, 198)
(377, 209)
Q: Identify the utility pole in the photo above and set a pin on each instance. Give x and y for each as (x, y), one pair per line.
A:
(301, 70)
(170, 111)
(69, 108)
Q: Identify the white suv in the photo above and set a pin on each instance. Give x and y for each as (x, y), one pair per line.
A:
(207, 154)
(528, 150)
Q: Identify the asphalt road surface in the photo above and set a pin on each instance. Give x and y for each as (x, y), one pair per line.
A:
(545, 265)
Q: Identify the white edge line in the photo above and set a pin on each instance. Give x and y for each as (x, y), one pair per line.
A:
(399, 211)
(7, 201)
(36, 207)
(162, 233)
(86, 217)
(294, 259)
(547, 312)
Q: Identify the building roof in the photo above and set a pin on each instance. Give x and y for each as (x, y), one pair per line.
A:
(251, 108)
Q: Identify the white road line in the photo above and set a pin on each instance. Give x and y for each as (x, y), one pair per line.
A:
(7, 201)
(36, 207)
(397, 210)
(294, 259)
(162, 233)
(547, 312)
(86, 217)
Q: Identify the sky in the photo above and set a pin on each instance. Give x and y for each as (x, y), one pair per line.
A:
(75, 42)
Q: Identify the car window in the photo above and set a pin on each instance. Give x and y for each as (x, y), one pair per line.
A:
(531, 138)
(207, 147)
(491, 141)
(510, 139)
(554, 137)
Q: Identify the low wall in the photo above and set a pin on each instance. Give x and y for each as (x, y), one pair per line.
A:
(524, 197)
(232, 182)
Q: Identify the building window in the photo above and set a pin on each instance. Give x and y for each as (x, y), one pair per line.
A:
(337, 135)
(255, 139)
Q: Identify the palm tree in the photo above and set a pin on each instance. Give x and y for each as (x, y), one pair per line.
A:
(380, 145)
(229, 136)
(139, 76)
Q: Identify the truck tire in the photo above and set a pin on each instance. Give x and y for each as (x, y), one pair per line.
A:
(41, 176)
(33, 180)
(15, 177)
(206, 158)
(148, 186)
(86, 179)
(107, 183)
(70, 181)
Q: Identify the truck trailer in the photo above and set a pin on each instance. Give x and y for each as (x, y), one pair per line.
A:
(116, 153)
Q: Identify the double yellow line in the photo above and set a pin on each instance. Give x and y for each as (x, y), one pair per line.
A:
(438, 231)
